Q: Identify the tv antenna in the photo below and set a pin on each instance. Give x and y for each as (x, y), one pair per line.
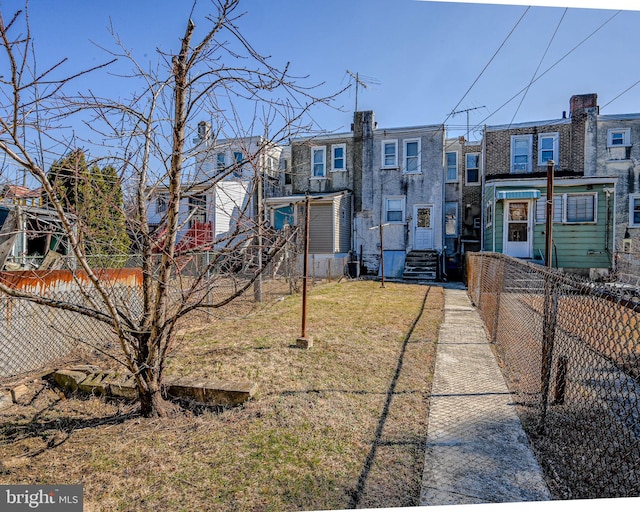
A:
(466, 110)
(361, 81)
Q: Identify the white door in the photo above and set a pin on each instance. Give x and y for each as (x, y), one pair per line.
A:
(518, 229)
(422, 227)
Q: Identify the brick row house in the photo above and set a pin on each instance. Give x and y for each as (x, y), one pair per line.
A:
(413, 201)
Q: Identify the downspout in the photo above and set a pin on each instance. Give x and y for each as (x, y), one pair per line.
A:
(482, 188)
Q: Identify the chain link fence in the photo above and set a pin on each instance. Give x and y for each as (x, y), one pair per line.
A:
(34, 336)
(569, 350)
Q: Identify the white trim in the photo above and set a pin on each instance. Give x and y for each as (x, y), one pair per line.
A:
(632, 197)
(333, 157)
(323, 150)
(466, 170)
(383, 164)
(403, 206)
(565, 203)
(626, 137)
(529, 165)
(555, 136)
(446, 167)
(418, 156)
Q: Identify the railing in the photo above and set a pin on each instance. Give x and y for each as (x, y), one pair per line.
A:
(569, 350)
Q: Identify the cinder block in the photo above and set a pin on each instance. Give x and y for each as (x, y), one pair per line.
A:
(121, 385)
(94, 383)
(5, 399)
(18, 392)
(225, 393)
(69, 379)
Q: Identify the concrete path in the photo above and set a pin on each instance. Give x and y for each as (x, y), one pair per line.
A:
(477, 451)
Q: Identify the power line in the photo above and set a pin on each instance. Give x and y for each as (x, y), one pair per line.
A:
(539, 64)
(488, 63)
(549, 68)
(623, 92)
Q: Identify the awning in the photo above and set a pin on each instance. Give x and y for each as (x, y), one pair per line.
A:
(517, 194)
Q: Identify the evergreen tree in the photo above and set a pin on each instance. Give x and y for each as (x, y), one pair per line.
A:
(94, 195)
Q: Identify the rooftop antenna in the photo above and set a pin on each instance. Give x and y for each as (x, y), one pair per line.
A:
(467, 110)
(361, 83)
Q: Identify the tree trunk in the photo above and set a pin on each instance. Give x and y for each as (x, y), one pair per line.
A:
(152, 403)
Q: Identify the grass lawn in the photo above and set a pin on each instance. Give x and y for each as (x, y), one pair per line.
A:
(340, 425)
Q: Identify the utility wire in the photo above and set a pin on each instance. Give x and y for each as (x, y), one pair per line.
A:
(538, 68)
(623, 92)
(487, 65)
(549, 68)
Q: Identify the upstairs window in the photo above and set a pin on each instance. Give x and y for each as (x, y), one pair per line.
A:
(548, 144)
(472, 165)
(412, 156)
(521, 153)
(161, 204)
(220, 161)
(390, 154)
(619, 138)
(451, 161)
(634, 210)
(318, 162)
(338, 154)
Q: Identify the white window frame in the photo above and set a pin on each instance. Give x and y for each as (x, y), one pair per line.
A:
(555, 136)
(529, 139)
(632, 200)
(488, 214)
(162, 203)
(418, 169)
(394, 144)
(333, 157)
(402, 200)
(467, 169)
(446, 167)
(626, 137)
(565, 201)
(323, 150)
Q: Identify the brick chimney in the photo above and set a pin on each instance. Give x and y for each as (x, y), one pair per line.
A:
(580, 102)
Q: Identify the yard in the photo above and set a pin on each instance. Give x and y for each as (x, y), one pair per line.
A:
(340, 425)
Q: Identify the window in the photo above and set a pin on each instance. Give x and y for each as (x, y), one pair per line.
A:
(619, 138)
(390, 154)
(451, 219)
(412, 156)
(338, 152)
(634, 210)
(548, 147)
(451, 160)
(521, 153)
(394, 209)
(472, 165)
(238, 158)
(580, 208)
(318, 162)
(541, 209)
(198, 208)
(488, 214)
(161, 204)
(220, 161)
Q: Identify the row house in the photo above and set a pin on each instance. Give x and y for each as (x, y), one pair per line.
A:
(222, 192)
(514, 192)
(375, 198)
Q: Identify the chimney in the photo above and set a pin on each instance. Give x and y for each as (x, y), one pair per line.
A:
(581, 102)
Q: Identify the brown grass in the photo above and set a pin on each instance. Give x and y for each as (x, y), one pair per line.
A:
(340, 425)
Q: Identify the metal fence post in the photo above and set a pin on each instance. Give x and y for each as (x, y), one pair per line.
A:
(551, 293)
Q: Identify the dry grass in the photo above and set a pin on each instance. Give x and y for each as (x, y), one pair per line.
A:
(338, 426)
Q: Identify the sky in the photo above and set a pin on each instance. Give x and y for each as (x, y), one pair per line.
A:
(419, 62)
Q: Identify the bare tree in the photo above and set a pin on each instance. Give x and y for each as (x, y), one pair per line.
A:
(147, 137)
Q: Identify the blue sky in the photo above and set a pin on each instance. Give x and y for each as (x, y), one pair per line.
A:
(419, 59)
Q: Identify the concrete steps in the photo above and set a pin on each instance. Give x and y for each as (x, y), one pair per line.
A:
(421, 266)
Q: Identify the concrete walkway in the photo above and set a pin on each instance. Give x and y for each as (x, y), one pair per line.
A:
(477, 451)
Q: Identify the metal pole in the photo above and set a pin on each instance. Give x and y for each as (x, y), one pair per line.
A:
(303, 341)
(548, 243)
